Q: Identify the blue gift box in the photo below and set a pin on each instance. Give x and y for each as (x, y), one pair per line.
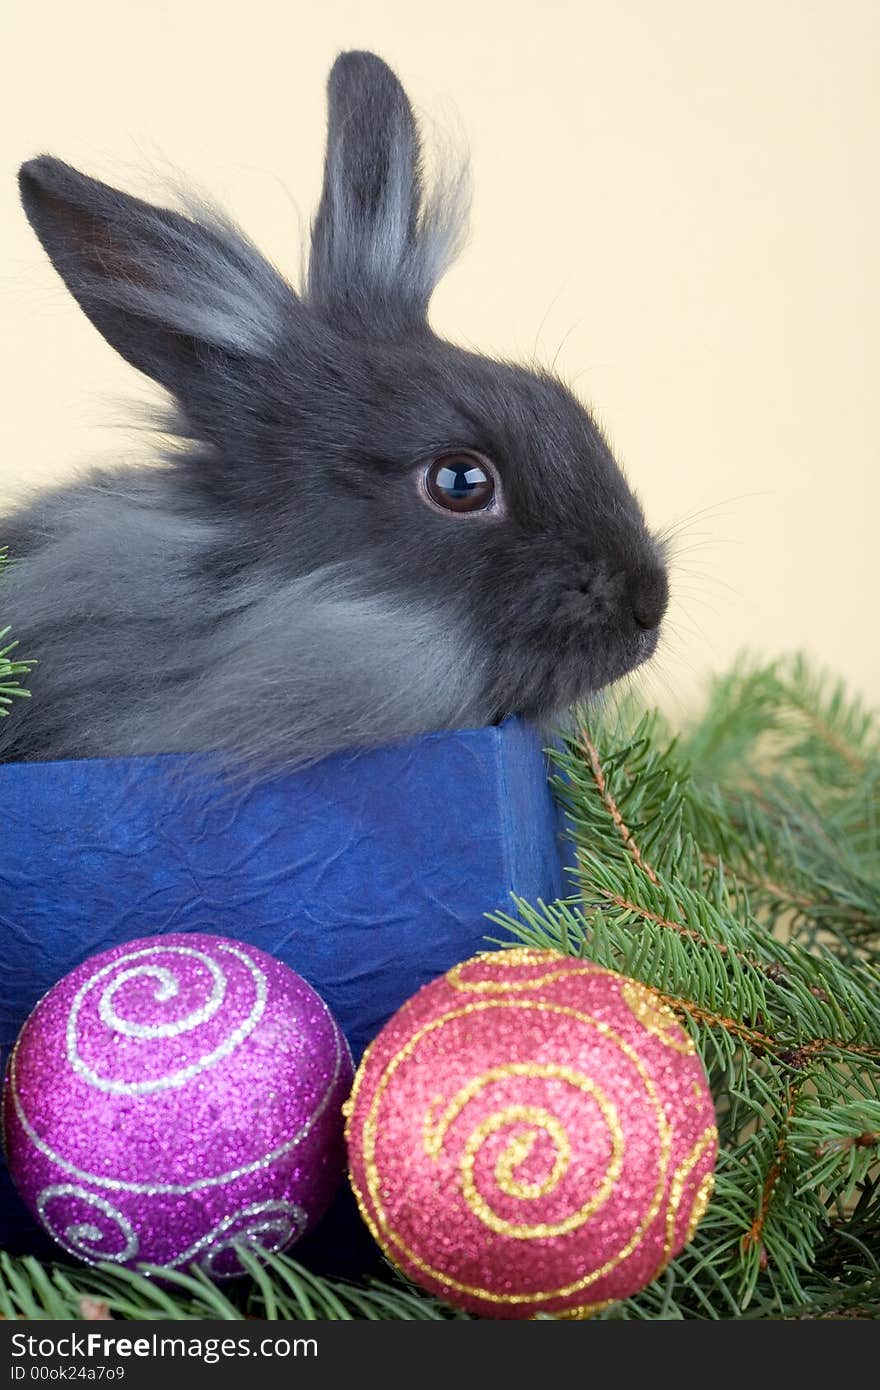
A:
(368, 873)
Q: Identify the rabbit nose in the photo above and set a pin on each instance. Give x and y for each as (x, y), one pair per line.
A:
(648, 593)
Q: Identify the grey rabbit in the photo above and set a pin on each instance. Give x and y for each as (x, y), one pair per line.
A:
(362, 533)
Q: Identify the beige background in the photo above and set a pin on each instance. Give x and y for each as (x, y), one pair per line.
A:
(677, 200)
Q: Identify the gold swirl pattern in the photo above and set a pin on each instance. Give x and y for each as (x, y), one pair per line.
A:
(656, 1018)
(676, 1192)
(584, 1311)
(371, 1202)
(702, 1197)
(519, 957)
(520, 1147)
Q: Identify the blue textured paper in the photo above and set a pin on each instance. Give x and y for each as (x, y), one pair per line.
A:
(369, 874)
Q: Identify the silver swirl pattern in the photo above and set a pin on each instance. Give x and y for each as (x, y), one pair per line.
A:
(87, 1239)
(270, 1225)
(136, 964)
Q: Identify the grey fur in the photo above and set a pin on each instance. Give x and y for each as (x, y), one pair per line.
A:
(276, 587)
(379, 245)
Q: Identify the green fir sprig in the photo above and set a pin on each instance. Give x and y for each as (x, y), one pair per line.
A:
(277, 1289)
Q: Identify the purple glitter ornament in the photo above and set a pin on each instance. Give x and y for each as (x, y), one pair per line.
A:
(172, 1096)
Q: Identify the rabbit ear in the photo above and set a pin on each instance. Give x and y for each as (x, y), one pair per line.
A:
(168, 293)
(378, 246)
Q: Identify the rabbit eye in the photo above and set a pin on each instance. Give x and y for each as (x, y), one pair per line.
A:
(460, 482)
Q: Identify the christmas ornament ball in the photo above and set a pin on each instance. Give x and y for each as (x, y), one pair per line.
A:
(174, 1095)
(532, 1133)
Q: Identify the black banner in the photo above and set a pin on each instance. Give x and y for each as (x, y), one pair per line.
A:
(130, 1355)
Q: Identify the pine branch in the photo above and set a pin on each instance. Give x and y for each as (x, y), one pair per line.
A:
(795, 793)
(278, 1289)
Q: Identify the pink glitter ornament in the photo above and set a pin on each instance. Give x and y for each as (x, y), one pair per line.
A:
(174, 1095)
(532, 1133)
